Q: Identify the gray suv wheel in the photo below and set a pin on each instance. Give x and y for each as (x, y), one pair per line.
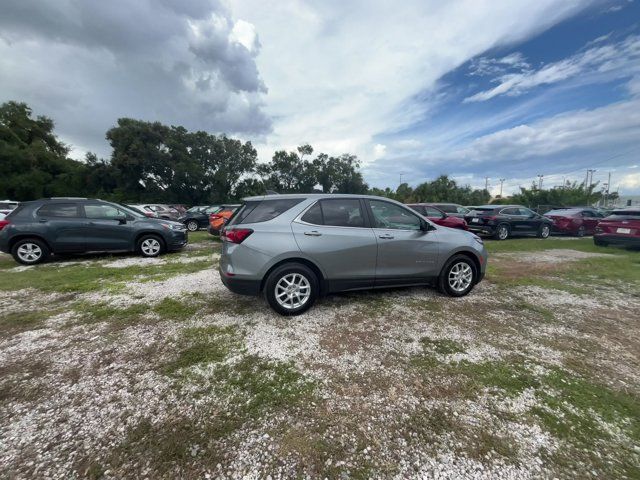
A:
(458, 276)
(30, 251)
(291, 289)
(150, 246)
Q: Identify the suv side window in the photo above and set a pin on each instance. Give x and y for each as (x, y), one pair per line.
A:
(314, 215)
(526, 212)
(509, 211)
(388, 215)
(103, 212)
(266, 210)
(64, 210)
(342, 212)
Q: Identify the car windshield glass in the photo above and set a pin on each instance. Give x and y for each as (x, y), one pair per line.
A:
(195, 209)
(131, 210)
(624, 215)
(7, 206)
(564, 212)
(447, 208)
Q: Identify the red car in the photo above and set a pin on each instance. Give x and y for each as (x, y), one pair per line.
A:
(622, 227)
(574, 221)
(437, 216)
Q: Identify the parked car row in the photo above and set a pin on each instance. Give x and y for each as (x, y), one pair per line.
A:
(35, 230)
(621, 227)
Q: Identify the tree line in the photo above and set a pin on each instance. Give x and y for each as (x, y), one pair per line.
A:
(156, 163)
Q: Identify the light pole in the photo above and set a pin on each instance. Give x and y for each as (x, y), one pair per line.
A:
(501, 182)
(540, 182)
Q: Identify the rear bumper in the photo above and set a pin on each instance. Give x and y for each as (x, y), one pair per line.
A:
(213, 231)
(622, 240)
(240, 286)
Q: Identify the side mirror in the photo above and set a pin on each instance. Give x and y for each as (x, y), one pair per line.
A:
(425, 226)
(122, 219)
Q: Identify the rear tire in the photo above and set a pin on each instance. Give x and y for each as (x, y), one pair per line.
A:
(600, 243)
(458, 277)
(545, 231)
(291, 289)
(502, 232)
(192, 225)
(581, 231)
(150, 246)
(30, 251)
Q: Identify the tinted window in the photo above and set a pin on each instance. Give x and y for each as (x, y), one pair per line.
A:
(526, 212)
(59, 210)
(211, 210)
(388, 215)
(482, 211)
(564, 212)
(417, 208)
(7, 205)
(624, 215)
(462, 210)
(313, 215)
(265, 210)
(107, 212)
(342, 212)
(509, 211)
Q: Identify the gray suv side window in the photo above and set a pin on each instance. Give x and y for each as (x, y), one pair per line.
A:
(105, 212)
(388, 215)
(342, 212)
(68, 210)
(313, 215)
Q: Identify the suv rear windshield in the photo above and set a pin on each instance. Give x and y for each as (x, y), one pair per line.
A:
(263, 210)
(624, 215)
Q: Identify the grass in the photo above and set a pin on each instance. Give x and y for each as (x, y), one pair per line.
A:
(16, 322)
(90, 277)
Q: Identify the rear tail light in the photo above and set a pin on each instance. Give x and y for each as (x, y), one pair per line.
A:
(214, 216)
(236, 235)
(4, 223)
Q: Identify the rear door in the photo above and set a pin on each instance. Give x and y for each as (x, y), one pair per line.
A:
(590, 219)
(105, 230)
(65, 226)
(335, 233)
(406, 253)
(531, 221)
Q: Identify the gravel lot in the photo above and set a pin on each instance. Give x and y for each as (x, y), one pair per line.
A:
(114, 366)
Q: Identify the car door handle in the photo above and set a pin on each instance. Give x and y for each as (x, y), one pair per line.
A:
(313, 233)
(386, 236)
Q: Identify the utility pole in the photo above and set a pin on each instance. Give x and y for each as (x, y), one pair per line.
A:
(401, 178)
(486, 183)
(501, 182)
(540, 182)
(590, 173)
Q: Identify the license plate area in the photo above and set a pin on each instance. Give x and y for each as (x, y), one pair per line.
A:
(475, 220)
(623, 230)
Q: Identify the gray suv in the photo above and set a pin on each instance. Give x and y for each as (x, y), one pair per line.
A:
(36, 229)
(294, 248)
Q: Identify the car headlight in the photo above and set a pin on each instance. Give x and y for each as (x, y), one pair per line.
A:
(173, 226)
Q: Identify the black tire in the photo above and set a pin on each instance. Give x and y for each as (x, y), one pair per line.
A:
(291, 269)
(598, 242)
(581, 231)
(445, 286)
(502, 232)
(545, 231)
(192, 225)
(150, 246)
(30, 251)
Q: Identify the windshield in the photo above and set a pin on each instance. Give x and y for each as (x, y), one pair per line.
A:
(624, 215)
(195, 209)
(131, 210)
(564, 212)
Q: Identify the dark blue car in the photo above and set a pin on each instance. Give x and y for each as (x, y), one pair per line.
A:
(35, 230)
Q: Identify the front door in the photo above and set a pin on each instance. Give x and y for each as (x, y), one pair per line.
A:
(105, 231)
(334, 233)
(406, 253)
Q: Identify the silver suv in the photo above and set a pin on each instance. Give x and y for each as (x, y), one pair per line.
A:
(294, 248)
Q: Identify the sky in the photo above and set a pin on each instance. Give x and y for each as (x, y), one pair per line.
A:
(481, 90)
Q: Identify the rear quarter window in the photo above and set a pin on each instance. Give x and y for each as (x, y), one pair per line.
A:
(59, 210)
(264, 210)
(624, 215)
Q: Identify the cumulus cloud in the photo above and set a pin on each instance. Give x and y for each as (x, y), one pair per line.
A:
(600, 59)
(87, 63)
(339, 73)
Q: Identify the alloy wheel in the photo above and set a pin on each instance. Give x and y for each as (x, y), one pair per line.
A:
(292, 291)
(460, 276)
(503, 232)
(150, 247)
(545, 231)
(581, 231)
(192, 226)
(29, 252)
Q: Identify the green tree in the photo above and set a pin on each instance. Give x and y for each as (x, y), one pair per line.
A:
(33, 162)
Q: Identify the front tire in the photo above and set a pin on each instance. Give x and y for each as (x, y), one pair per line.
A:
(150, 246)
(458, 277)
(581, 231)
(502, 232)
(192, 225)
(291, 289)
(30, 251)
(544, 231)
